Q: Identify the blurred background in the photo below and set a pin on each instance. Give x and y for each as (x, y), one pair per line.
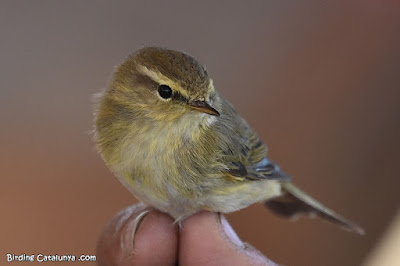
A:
(318, 80)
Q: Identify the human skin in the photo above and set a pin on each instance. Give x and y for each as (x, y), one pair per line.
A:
(138, 236)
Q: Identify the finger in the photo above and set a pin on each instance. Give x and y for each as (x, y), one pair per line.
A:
(139, 236)
(208, 239)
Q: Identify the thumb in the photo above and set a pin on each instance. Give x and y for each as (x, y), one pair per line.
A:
(208, 239)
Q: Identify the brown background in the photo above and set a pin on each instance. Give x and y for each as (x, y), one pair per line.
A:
(318, 81)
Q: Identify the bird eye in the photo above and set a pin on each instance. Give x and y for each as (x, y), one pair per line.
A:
(165, 91)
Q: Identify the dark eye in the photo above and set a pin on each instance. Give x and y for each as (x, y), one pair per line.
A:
(165, 91)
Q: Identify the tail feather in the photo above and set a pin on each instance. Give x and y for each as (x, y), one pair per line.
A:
(294, 201)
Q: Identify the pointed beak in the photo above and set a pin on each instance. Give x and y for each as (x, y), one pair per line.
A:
(203, 107)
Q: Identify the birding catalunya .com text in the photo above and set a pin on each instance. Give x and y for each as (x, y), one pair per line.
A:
(10, 257)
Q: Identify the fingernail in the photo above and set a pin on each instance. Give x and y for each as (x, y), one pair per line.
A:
(230, 233)
(132, 225)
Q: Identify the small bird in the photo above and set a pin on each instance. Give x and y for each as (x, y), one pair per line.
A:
(179, 146)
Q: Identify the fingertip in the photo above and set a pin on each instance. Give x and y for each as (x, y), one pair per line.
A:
(111, 248)
(156, 242)
(138, 236)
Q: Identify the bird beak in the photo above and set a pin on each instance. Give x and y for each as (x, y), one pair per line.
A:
(203, 107)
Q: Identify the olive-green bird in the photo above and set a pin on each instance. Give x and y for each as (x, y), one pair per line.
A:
(180, 147)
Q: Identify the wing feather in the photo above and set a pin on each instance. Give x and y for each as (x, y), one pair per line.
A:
(246, 159)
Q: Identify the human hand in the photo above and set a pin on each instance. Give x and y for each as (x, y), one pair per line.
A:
(138, 236)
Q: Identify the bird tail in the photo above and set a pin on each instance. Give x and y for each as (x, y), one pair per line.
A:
(295, 201)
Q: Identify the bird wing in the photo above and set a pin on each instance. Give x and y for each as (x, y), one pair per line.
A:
(253, 163)
(244, 154)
